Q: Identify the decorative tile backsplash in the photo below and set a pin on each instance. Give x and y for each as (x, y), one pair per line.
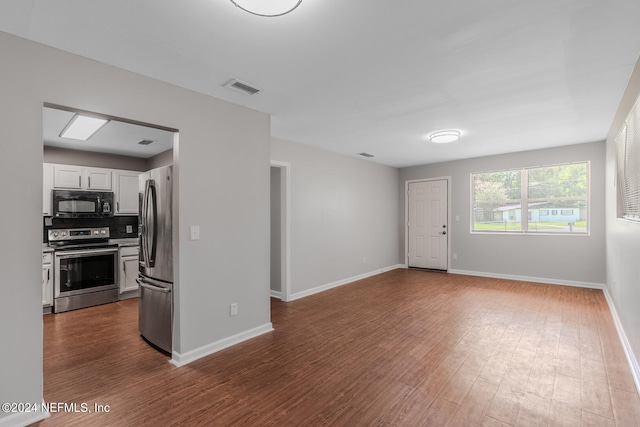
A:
(117, 225)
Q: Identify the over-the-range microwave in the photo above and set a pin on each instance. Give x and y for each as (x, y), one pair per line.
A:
(82, 204)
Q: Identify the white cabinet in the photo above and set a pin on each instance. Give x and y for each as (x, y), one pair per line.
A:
(65, 176)
(47, 186)
(81, 178)
(129, 270)
(47, 279)
(97, 179)
(126, 192)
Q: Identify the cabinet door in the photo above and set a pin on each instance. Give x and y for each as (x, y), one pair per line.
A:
(128, 274)
(67, 177)
(47, 285)
(47, 186)
(98, 179)
(126, 191)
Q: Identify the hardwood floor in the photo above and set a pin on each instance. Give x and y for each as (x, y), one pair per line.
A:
(406, 347)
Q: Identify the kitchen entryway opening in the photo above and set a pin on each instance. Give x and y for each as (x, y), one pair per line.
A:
(280, 230)
(91, 224)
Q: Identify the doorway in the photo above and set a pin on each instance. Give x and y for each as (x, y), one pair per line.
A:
(118, 151)
(427, 232)
(280, 230)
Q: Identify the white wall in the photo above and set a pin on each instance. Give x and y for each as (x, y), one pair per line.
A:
(89, 158)
(343, 209)
(218, 140)
(623, 238)
(567, 259)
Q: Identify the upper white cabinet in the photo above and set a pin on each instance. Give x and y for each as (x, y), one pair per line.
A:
(98, 179)
(67, 177)
(81, 178)
(47, 186)
(126, 192)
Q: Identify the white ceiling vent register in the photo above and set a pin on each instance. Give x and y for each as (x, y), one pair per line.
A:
(365, 154)
(242, 87)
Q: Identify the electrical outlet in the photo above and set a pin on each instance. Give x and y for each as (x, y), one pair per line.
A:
(129, 229)
(455, 256)
(364, 259)
(233, 309)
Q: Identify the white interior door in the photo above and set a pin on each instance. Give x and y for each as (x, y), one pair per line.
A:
(428, 224)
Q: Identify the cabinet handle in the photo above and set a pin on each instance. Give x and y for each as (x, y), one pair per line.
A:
(48, 275)
(89, 182)
(80, 181)
(124, 266)
(118, 207)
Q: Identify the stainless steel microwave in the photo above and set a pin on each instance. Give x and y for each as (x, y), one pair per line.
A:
(82, 204)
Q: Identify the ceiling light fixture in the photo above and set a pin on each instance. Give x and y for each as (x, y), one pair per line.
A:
(444, 136)
(82, 127)
(269, 8)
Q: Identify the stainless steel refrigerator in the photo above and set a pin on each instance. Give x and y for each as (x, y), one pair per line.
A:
(155, 278)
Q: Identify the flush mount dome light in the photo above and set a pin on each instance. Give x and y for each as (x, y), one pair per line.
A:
(268, 8)
(444, 136)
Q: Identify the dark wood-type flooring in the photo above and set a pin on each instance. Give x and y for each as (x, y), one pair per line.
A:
(404, 348)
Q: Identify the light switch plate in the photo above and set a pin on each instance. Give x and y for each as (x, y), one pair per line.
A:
(129, 229)
(195, 232)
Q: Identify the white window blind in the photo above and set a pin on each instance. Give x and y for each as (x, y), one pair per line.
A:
(628, 146)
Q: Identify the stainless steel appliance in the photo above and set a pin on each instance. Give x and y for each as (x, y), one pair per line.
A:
(86, 268)
(155, 276)
(82, 204)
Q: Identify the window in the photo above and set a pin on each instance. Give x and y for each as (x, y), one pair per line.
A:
(548, 199)
(628, 165)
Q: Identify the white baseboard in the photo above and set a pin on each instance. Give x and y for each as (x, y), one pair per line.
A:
(21, 419)
(628, 351)
(530, 279)
(181, 359)
(276, 294)
(335, 284)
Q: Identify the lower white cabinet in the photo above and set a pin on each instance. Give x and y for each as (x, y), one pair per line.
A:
(47, 279)
(128, 269)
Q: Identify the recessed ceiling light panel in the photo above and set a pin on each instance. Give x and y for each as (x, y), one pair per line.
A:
(268, 8)
(444, 136)
(82, 127)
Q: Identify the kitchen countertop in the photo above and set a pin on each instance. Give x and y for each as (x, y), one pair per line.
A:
(46, 248)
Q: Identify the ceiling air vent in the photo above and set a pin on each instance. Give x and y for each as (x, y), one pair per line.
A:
(146, 142)
(365, 154)
(243, 87)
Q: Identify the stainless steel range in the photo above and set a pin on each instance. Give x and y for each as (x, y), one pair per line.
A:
(86, 268)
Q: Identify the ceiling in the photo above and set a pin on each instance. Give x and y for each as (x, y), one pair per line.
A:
(116, 137)
(373, 75)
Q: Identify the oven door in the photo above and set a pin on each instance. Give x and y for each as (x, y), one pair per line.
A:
(83, 271)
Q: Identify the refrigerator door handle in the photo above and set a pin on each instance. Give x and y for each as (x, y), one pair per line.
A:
(150, 223)
(152, 287)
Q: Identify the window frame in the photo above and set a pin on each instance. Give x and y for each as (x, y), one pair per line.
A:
(625, 143)
(525, 200)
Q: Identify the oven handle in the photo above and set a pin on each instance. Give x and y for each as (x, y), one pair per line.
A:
(152, 287)
(86, 252)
